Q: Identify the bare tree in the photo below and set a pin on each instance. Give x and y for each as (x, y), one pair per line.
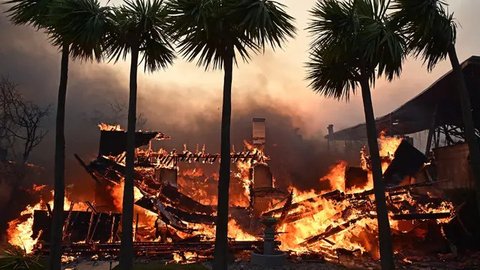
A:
(20, 119)
(8, 96)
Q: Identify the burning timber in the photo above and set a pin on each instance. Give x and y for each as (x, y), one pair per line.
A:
(175, 209)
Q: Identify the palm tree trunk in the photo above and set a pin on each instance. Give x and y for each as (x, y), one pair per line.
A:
(59, 185)
(384, 234)
(221, 231)
(468, 122)
(126, 248)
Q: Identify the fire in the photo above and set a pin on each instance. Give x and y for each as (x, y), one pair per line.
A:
(322, 224)
(198, 185)
(244, 168)
(146, 219)
(320, 215)
(20, 230)
(109, 127)
(388, 145)
(237, 233)
(336, 176)
(184, 257)
(37, 188)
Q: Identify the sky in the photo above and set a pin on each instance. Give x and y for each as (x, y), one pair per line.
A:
(184, 100)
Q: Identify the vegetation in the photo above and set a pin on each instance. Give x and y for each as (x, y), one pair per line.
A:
(431, 35)
(19, 120)
(354, 42)
(138, 27)
(217, 33)
(76, 27)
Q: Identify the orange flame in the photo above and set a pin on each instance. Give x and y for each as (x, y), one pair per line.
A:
(20, 230)
(109, 127)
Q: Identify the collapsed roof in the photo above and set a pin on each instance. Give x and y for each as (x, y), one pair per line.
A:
(113, 142)
(439, 100)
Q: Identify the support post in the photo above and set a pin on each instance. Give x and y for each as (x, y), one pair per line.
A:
(431, 131)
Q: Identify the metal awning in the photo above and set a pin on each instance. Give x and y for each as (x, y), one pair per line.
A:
(440, 99)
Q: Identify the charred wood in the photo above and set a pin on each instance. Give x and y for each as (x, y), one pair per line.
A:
(87, 168)
(332, 231)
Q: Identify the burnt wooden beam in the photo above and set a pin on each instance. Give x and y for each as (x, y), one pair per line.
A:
(66, 225)
(90, 205)
(332, 231)
(87, 169)
(49, 209)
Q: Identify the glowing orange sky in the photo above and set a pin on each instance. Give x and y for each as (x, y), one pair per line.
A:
(280, 75)
(185, 101)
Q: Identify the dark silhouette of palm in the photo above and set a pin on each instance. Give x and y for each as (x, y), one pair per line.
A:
(431, 34)
(217, 33)
(355, 42)
(77, 27)
(139, 28)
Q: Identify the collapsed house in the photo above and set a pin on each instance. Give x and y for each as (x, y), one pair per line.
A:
(156, 174)
(320, 222)
(437, 111)
(175, 208)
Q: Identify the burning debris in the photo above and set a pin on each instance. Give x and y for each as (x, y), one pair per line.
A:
(175, 208)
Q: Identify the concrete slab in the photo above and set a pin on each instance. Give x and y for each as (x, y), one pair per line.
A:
(269, 260)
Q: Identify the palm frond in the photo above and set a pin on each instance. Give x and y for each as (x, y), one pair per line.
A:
(202, 31)
(207, 30)
(333, 22)
(352, 40)
(265, 21)
(82, 24)
(28, 12)
(141, 25)
(330, 74)
(429, 28)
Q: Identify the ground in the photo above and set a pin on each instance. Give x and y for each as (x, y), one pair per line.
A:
(161, 266)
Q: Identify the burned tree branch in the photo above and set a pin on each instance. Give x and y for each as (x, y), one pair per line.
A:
(20, 118)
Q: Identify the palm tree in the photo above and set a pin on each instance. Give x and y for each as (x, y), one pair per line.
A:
(217, 32)
(77, 27)
(138, 27)
(431, 34)
(354, 43)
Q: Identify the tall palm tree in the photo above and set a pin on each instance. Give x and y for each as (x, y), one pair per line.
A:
(77, 27)
(355, 42)
(139, 28)
(217, 32)
(431, 34)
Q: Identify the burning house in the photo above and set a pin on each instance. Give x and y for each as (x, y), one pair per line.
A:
(445, 164)
(175, 197)
(175, 207)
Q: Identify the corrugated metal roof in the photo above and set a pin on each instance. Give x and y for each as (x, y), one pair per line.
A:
(417, 114)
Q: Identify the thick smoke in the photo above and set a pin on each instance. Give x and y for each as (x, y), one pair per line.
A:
(93, 88)
(29, 60)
